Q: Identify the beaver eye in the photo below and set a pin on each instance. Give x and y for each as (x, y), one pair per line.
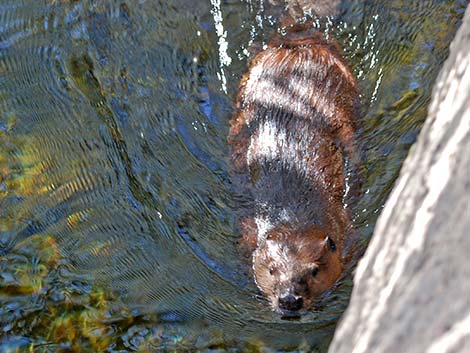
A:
(331, 244)
(314, 271)
(272, 270)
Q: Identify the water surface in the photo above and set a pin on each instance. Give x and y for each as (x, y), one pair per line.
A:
(117, 214)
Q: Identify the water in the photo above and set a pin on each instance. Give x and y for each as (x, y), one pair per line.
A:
(117, 216)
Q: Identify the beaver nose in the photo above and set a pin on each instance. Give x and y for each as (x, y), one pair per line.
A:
(291, 303)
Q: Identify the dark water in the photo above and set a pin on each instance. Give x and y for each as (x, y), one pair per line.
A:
(117, 219)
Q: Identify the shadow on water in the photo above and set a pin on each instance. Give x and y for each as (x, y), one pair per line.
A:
(117, 219)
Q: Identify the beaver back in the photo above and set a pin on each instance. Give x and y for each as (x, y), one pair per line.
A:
(294, 122)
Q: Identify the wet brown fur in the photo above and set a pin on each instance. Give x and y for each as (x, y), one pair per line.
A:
(329, 96)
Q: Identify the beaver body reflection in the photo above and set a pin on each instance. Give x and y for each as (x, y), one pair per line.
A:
(291, 139)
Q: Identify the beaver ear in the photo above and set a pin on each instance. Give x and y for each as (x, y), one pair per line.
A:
(330, 244)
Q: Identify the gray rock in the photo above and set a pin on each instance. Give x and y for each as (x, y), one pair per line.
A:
(412, 288)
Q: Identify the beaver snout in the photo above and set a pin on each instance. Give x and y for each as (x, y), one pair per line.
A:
(291, 303)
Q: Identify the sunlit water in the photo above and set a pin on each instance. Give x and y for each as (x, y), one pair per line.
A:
(117, 215)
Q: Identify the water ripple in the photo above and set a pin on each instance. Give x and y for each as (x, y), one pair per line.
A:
(114, 164)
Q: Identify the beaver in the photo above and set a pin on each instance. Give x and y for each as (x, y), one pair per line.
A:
(292, 143)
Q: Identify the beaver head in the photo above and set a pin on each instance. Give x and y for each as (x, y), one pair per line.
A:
(293, 267)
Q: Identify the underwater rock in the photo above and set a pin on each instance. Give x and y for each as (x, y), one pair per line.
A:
(412, 288)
